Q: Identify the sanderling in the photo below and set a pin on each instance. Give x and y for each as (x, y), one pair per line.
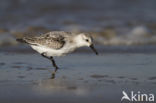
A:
(58, 43)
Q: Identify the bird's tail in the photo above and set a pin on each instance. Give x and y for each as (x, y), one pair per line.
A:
(21, 40)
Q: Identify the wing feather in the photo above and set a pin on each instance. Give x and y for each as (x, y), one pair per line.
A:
(55, 40)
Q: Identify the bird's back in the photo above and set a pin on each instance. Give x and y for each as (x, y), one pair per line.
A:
(54, 39)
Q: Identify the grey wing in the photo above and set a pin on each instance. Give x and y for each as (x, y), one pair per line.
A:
(54, 42)
(58, 34)
(55, 35)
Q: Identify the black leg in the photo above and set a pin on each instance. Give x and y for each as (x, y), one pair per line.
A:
(54, 64)
(56, 67)
(45, 56)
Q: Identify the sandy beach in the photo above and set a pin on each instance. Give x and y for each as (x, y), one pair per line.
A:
(82, 77)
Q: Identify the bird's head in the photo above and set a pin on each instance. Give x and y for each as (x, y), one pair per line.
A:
(85, 39)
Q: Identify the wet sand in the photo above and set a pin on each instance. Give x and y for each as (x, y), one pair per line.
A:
(82, 78)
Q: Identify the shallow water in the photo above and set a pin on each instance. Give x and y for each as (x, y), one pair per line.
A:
(122, 22)
(81, 78)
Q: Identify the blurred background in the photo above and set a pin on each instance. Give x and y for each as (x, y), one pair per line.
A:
(116, 25)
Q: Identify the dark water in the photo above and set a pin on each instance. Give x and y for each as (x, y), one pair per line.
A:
(113, 22)
(86, 14)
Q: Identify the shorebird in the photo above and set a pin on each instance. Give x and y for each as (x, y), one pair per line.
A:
(58, 43)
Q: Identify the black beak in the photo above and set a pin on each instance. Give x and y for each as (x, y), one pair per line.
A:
(92, 47)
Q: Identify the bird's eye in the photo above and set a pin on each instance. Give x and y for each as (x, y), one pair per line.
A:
(87, 40)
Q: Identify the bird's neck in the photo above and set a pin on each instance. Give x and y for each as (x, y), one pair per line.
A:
(78, 41)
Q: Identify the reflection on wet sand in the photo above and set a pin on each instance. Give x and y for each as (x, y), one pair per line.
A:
(62, 86)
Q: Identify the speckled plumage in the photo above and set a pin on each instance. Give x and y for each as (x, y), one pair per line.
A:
(54, 40)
